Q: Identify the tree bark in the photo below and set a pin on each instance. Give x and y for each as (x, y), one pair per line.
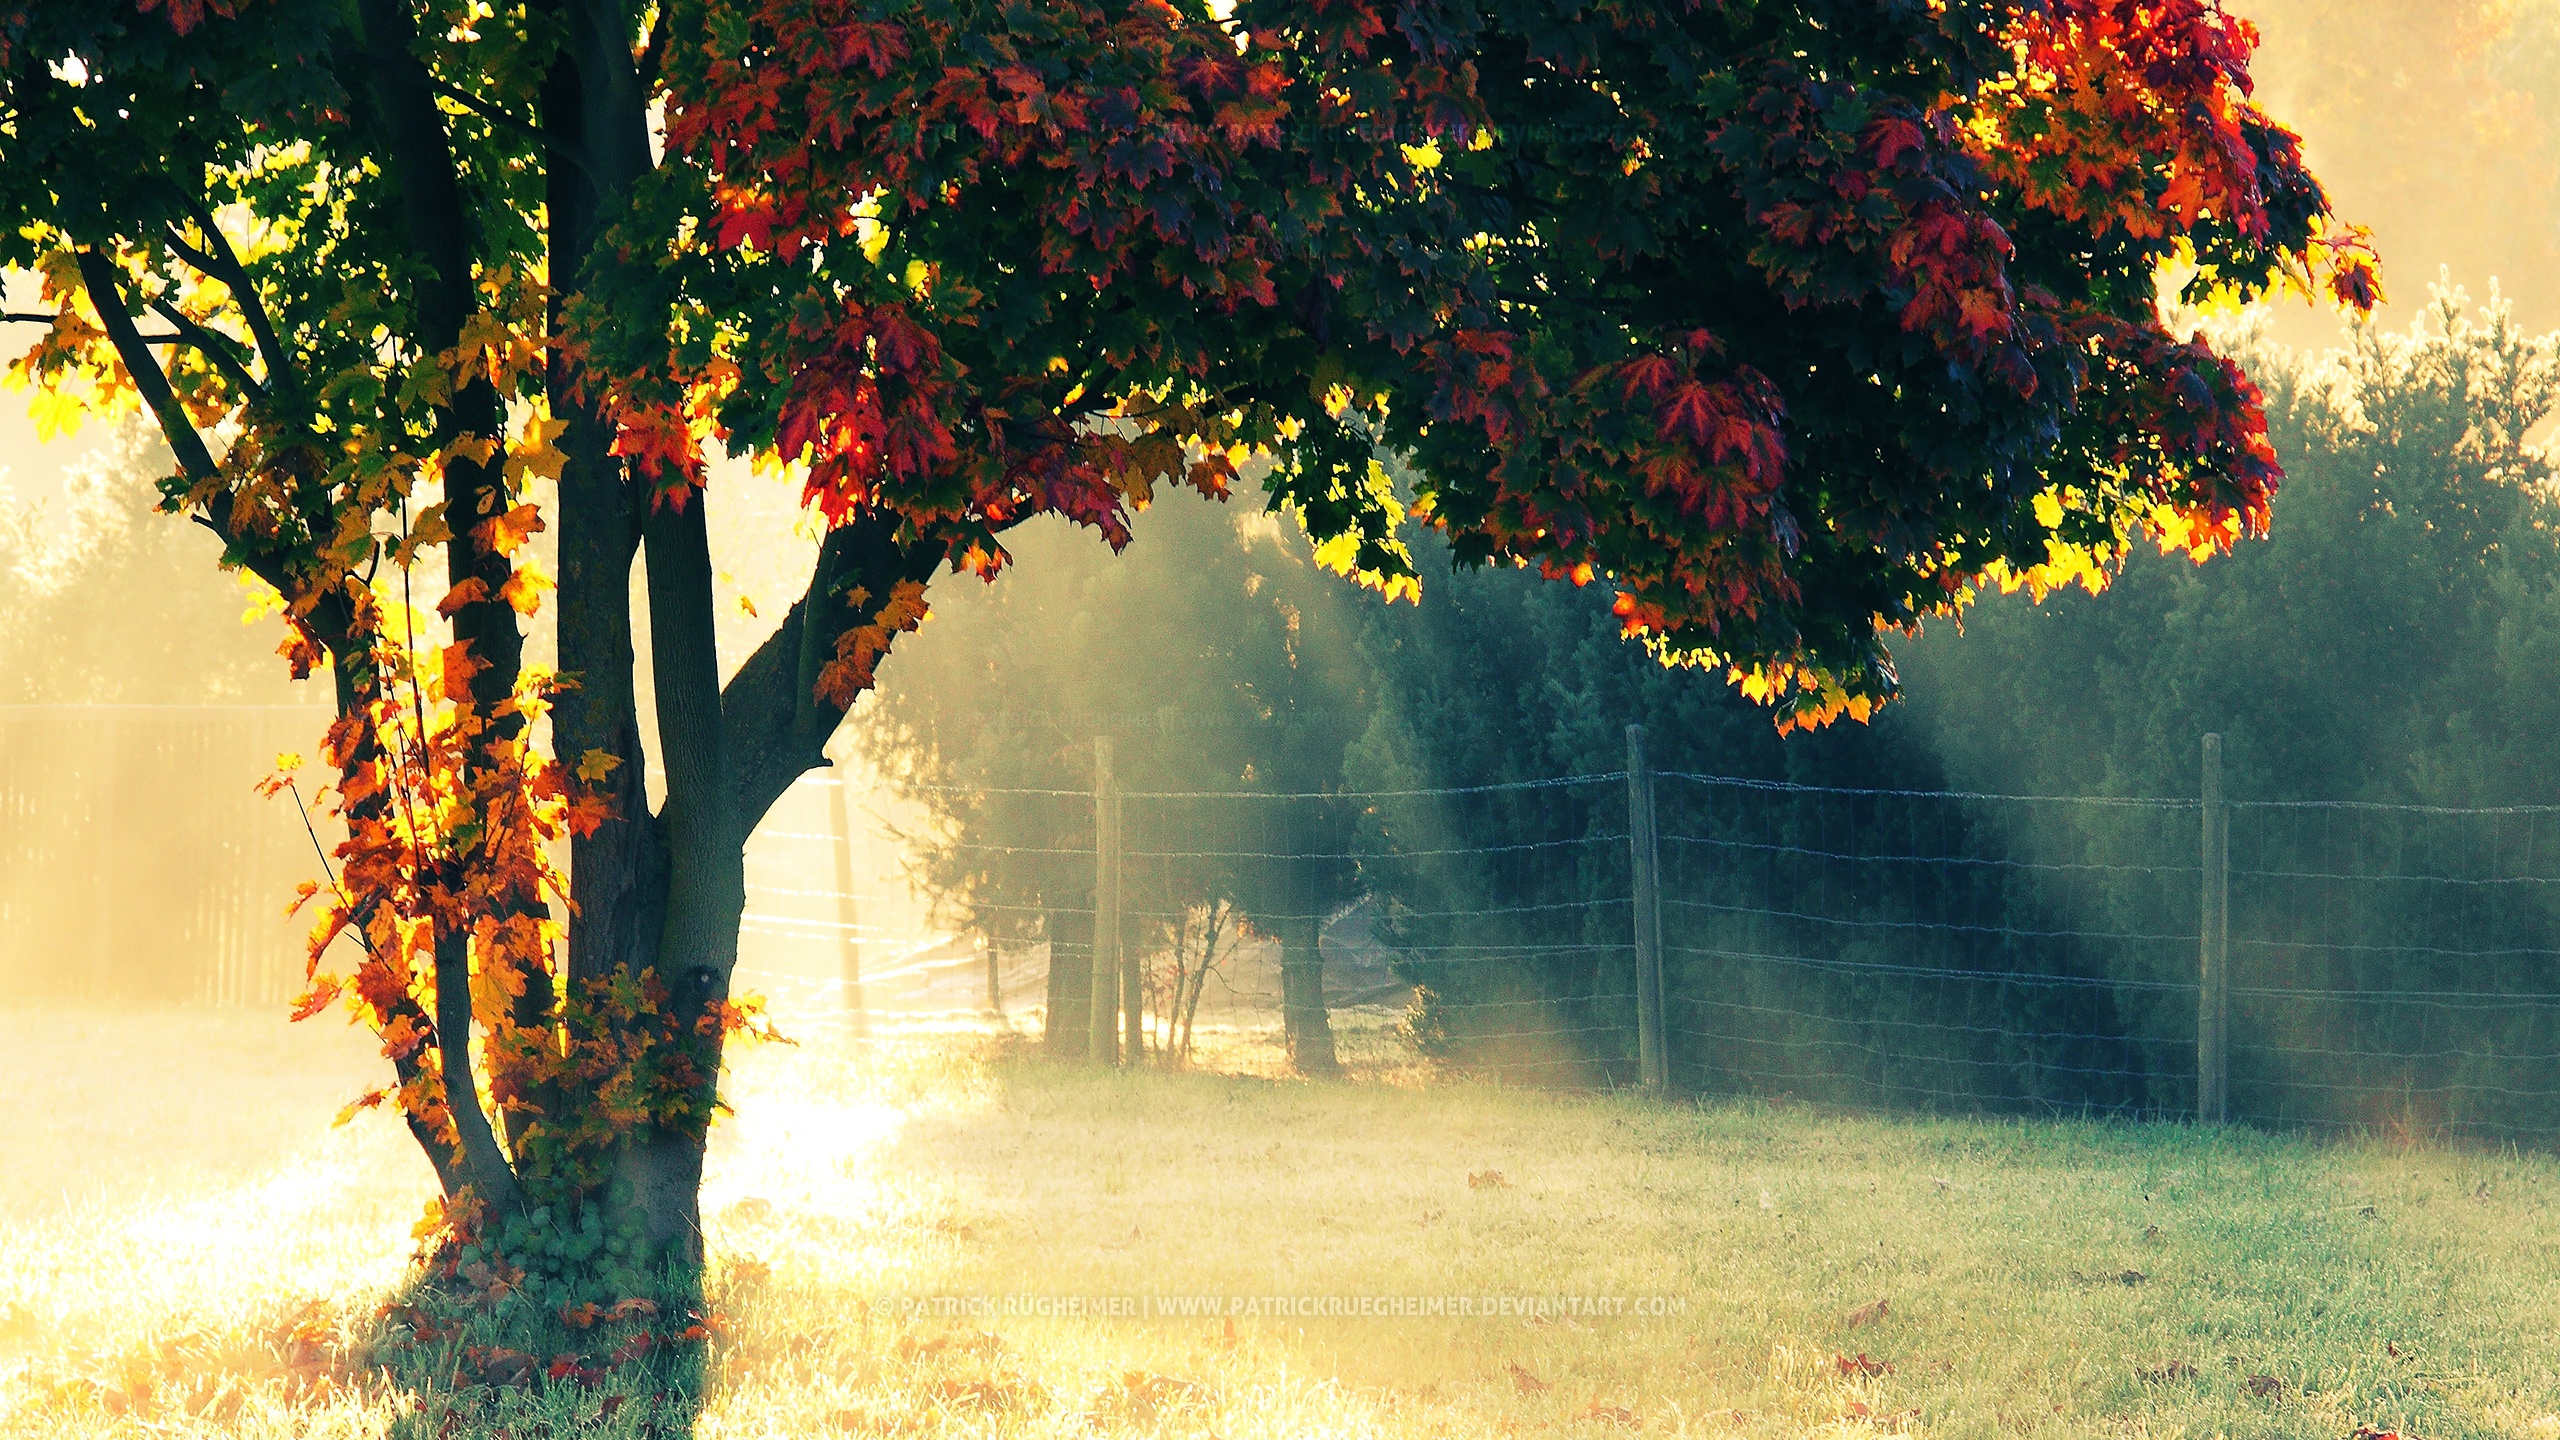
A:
(1303, 1018)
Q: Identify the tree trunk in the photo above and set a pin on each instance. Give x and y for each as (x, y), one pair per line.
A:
(1304, 1023)
(1063, 1030)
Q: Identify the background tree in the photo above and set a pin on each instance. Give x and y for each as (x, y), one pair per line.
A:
(101, 602)
(1794, 324)
(2389, 642)
(1008, 687)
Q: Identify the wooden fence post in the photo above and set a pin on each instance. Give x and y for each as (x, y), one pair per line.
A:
(1653, 1059)
(2213, 968)
(108, 860)
(1104, 1048)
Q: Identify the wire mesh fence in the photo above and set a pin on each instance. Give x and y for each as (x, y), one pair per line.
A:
(137, 863)
(2396, 965)
(1934, 949)
(2374, 965)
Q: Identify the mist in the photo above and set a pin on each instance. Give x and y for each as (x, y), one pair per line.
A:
(1199, 994)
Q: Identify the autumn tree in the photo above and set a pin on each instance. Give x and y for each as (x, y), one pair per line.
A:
(1791, 323)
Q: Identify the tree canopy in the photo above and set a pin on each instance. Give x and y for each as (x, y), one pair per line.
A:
(1790, 323)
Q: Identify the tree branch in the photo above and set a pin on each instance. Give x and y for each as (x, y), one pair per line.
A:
(435, 222)
(776, 725)
(106, 296)
(226, 266)
(445, 90)
(217, 348)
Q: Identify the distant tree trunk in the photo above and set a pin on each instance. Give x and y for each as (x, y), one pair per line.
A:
(848, 907)
(1070, 1008)
(1303, 1020)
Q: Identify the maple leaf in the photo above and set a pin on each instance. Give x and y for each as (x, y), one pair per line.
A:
(185, 15)
(507, 533)
(472, 591)
(1647, 375)
(366, 1101)
(524, 588)
(1694, 413)
(595, 765)
(323, 992)
(536, 454)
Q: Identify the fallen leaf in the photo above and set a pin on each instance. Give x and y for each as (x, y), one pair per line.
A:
(1859, 1364)
(2164, 1374)
(1522, 1380)
(1869, 1313)
(2266, 1387)
(1487, 1180)
(1612, 1415)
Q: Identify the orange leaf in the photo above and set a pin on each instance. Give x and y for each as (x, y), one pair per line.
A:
(471, 591)
(507, 533)
(324, 989)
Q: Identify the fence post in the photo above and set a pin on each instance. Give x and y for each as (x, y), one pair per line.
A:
(1104, 1044)
(108, 861)
(1653, 1061)
(1133, 990)
(848, 909)
(2213, 967)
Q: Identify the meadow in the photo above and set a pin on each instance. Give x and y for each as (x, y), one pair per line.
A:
(190, 1248)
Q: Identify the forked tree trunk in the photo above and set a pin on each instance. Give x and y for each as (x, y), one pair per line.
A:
(657, 895)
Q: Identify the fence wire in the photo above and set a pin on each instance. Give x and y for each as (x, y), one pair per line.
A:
(2389, 966)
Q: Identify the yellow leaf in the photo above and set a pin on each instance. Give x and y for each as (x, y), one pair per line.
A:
(508, 532)
(475, 448)
(523, 590)
(597, 764)
(536, 454)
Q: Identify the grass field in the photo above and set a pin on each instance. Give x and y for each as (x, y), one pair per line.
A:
(187, 1247)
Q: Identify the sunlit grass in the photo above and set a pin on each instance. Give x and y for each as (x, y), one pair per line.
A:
(210, 1259)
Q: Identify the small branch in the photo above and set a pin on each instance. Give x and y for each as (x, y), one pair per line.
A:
(501, 118)
(227, 267)
(28, 317)
(216, 347)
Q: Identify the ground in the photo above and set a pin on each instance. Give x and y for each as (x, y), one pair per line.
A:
(191, 1248)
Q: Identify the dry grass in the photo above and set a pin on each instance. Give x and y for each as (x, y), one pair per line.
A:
(193, 1251)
